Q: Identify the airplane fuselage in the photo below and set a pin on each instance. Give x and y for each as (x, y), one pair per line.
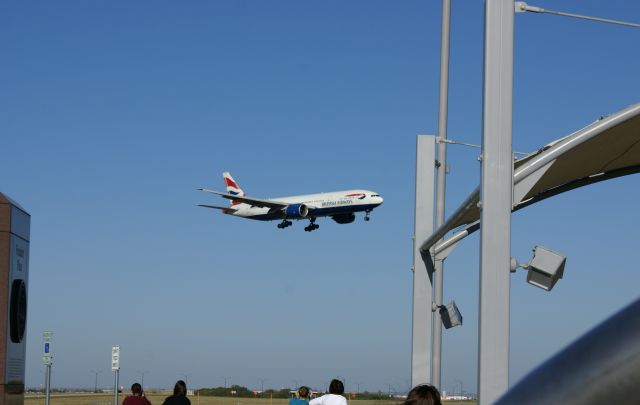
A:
(319, 205)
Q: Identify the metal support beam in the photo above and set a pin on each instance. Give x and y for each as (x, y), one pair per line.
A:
(601, 367)
(496, 201)
(441, 187)
(421, 337)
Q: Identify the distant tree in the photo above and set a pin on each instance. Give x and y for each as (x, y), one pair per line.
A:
(214, 392)
(282, 393)
(242, 392)
(234, 390)
(372, 395)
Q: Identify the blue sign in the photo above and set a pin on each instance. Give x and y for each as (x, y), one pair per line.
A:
(46, 347)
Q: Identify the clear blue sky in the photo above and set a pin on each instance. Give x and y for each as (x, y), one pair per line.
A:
(114, 112)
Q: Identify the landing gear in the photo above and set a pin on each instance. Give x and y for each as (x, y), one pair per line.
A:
(312, 225)
(366, 215)
(284, 224)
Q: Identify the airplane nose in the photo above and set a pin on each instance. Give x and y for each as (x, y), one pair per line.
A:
(380, 200)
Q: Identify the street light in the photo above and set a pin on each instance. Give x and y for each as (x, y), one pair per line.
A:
(262, 380)
(225, 381)
(450, 315)
(545, 268)
(186, 379)
(95, 389)
(142, 373)
(458, 381)
(390, 385)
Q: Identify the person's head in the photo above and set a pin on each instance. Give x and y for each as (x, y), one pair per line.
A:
(336, 387)
(180, 389)
(136, 389)
(423, 394)
(303, 392)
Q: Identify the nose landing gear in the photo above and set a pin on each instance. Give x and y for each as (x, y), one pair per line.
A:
(366, 215)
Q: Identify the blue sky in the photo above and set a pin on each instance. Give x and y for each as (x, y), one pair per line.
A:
(115, 112)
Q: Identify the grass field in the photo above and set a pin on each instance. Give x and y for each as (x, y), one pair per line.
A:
(157, 399)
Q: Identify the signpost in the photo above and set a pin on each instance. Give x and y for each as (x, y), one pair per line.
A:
(47, 360)
(115, 366)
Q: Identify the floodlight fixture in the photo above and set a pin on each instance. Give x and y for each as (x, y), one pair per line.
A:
(545, 268)
(450, 315)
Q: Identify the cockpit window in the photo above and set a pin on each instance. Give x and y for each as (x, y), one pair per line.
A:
(375, 195)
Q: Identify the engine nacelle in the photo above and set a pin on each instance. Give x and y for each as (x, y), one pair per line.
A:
(296, 211)
(344, 218)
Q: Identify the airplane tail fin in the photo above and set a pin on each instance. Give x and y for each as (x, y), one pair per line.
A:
(232, 187)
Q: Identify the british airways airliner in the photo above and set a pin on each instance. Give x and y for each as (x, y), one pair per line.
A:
(341, 206)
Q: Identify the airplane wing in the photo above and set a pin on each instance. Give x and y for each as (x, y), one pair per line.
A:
(256, 202)
(217, 207)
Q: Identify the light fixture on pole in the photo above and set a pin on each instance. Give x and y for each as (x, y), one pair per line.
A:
(545, 268)
(450, 314)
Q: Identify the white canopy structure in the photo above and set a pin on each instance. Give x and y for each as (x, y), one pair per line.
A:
(606, 149)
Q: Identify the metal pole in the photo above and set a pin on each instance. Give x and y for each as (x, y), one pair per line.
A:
(496, 202)
(47, 385)
(441, 168)
(421, 334)
(115, 401)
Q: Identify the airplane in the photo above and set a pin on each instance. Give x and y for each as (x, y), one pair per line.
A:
(341, 206)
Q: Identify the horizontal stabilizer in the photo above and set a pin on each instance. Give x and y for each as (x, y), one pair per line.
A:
(217, 207)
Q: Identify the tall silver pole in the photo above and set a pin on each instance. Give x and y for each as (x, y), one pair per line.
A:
(115, 401)
(47, 385)
(421, 333)
(496, 201)
(441, 187)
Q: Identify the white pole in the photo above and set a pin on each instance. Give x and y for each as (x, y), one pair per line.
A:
(421, 334)
(496, 202)
(441, 168)
(47, 383)
(115, 401)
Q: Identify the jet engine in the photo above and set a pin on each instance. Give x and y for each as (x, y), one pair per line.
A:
(344, 218)
(296, 211)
